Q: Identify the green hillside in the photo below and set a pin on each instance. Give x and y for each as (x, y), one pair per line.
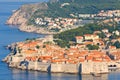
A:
(63, 38)
(76, 7)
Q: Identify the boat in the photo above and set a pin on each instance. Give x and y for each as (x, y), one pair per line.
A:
(96, 74)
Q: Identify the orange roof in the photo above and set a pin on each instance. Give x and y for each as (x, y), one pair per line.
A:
(33, 58)
(28, 58)
(70, 61)
(112, 47)
(88, 42)
(81, 60)
(89, 57)
(45, 57)
(31, 44)
(58, 60)
(79, 37)
(97, 60)
(30, 51)
(87, 34)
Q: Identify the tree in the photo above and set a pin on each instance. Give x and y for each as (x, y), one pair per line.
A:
(102, 35)
(44, 46)
(92, 47)
(62, 43)
(37, 46)
(117, 44)
(114, 36)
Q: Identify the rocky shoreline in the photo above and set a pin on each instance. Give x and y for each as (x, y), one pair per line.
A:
(22, 15)
(34, 29)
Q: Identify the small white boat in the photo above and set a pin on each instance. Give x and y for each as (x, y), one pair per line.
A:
(96, 74)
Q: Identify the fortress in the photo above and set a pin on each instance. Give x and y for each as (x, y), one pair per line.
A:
(86, 67)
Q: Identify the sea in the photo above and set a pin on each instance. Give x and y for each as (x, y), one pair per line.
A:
(10, 34)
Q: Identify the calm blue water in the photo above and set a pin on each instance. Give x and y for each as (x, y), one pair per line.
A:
(10, 34)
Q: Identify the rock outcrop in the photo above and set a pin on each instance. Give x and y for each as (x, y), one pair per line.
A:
(32, 28)
(23, 14)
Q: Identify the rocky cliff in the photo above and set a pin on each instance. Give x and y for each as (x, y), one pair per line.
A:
(23, 14)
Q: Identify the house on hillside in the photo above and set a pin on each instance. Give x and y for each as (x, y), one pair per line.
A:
(79, 39)
(90, 37)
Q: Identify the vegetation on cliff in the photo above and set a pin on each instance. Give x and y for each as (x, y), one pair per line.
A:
(63, 8)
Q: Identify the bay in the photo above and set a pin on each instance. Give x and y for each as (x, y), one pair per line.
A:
(10, 34)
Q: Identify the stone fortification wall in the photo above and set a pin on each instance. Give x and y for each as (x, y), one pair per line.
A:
(65, 68)
(43, 66)
(38, 66)
(87, 67)
(94, 67)
(17, 59)
(31, 65)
